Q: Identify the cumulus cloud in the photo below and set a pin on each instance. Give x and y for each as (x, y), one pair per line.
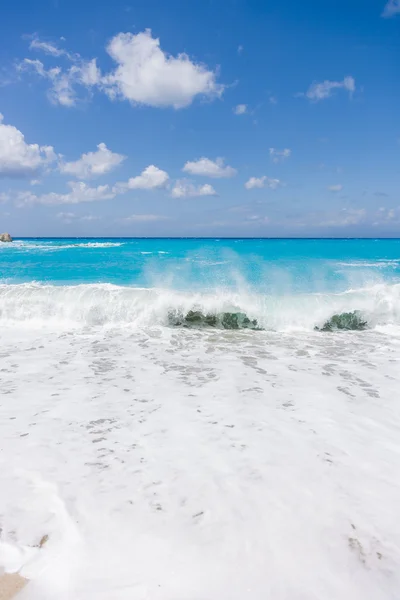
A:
(321, 91)
(262, 182)
(147, 75)
(186, 189)
(19, 159)
(93, 164)
(79, 192)
(391, 9)
(150, 178)
(279, 155)
(335, 188)
(209, 168)
(240, 109)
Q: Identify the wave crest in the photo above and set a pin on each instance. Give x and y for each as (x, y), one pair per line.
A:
(106, 304)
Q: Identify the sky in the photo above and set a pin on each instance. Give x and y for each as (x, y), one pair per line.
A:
(200, 118)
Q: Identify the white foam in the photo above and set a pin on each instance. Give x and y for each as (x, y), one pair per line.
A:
(184, 465)
(106, 304)
(55, 247)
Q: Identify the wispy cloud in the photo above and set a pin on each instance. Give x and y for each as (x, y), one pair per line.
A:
(142, 219)
(335, 188)
(325, 89)
(50, 48)
(278, 156)
(70, 217)
(391, 9)
(240, 109)
(64, 82)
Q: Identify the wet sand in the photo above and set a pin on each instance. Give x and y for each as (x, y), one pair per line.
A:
(10, 585)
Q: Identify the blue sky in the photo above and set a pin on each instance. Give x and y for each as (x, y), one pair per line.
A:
(200, 118)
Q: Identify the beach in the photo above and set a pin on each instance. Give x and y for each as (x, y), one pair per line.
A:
(182, 461)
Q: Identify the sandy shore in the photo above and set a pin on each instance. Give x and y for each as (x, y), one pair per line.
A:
(10, 585)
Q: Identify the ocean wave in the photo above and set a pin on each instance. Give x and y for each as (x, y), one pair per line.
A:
(51, 247)
(378, 264)
(106, 304)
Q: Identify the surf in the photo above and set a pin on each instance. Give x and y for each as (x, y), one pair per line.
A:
(114, 305)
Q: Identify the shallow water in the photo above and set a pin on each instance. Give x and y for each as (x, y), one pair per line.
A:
(173, 463)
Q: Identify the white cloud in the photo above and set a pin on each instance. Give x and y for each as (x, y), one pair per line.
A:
(80, 192)
(19, 159)
(391, 9)
(346, 217)
(66, 217)
(147, 75)
(69, 217)
(186, 189)
(209, 168)
(93, 164)
(257, 220)
(320, 91)
(240, 49)
(143, 218)
(335, 188)
(279, 155)
(90, 218)
(262, 182)
(273, 100)
(150, 178)
(47, 47)
(64, 81)
(240, 109)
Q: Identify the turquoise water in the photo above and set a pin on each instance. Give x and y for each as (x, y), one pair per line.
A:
(279, 282)
(301, 265)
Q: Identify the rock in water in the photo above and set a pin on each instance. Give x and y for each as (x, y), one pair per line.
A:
(198, 319)
(5, 237)
(352, 321)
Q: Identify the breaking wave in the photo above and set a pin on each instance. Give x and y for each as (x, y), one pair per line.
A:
(53, 247)
(106, 304)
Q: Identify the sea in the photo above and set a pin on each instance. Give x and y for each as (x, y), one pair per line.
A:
(200, 419)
